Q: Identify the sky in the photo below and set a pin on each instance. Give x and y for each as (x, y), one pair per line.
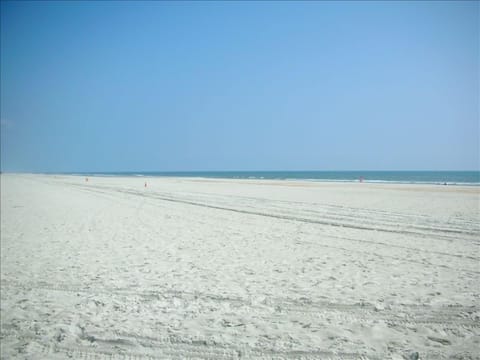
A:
(184, 86)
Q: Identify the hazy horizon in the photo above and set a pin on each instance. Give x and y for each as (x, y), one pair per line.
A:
(237, 170)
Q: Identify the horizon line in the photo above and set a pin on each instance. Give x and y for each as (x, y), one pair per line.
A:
(213, 171)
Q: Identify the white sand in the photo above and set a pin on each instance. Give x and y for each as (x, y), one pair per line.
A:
(197, 268)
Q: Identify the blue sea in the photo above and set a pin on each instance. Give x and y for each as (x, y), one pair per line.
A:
(404, 177)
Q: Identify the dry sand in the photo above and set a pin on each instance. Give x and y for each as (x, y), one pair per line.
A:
(215, 269)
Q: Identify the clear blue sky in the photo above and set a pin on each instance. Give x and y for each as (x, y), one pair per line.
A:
(111, 86)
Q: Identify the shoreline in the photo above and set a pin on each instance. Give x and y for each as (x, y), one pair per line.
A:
(307, 180)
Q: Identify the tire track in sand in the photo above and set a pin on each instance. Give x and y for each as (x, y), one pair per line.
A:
(455, 315)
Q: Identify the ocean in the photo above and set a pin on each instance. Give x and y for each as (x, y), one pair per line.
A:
(404, 177)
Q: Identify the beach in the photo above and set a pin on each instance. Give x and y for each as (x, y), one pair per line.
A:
(159, 267)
